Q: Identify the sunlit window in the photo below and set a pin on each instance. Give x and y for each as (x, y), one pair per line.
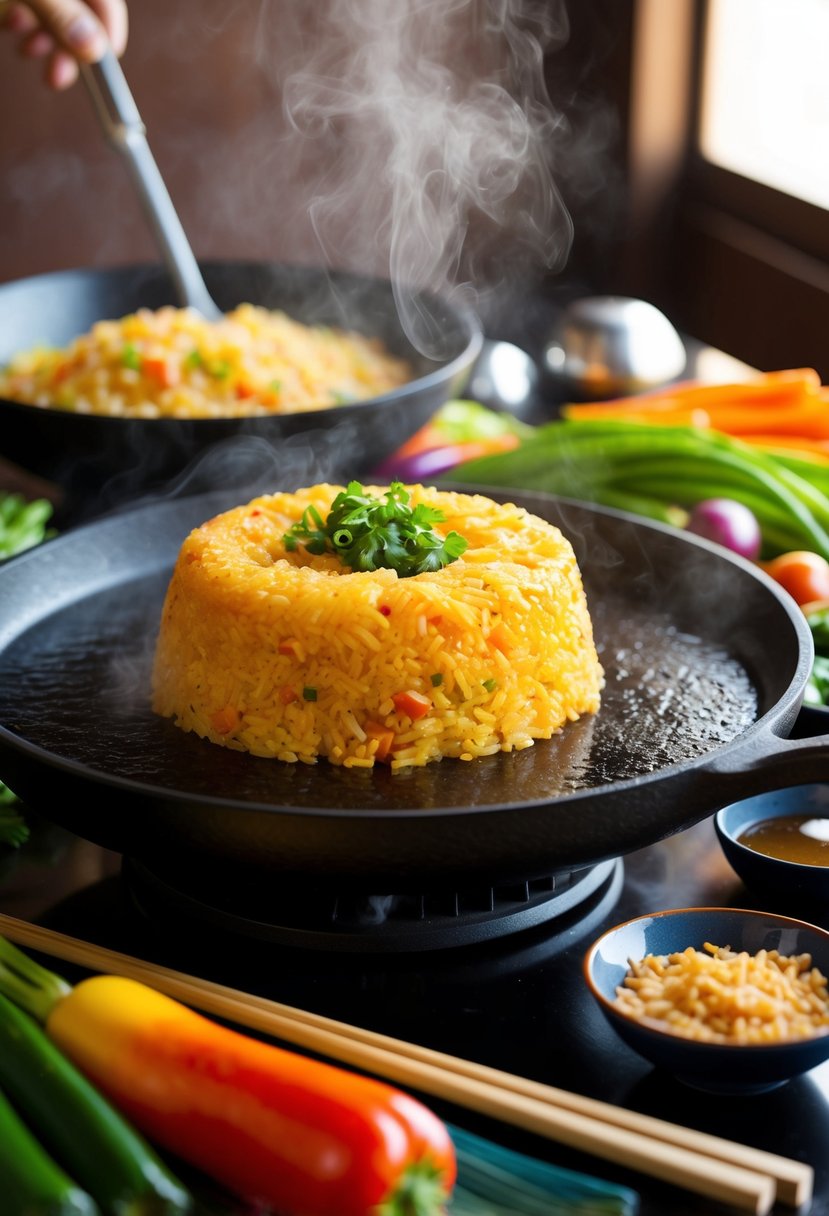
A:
(765, 111)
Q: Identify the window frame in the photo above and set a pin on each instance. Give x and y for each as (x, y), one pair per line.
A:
(801, 224)
(735, 263)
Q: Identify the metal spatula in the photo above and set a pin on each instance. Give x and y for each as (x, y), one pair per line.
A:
(125, 131)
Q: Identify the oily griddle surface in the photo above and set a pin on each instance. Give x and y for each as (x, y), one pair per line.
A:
(76, 684)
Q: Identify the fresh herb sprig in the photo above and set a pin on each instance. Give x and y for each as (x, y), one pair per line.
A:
(13, 828)
(22, 523)
(368, 533)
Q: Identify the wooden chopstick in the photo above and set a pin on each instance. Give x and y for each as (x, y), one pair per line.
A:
(720, 1169)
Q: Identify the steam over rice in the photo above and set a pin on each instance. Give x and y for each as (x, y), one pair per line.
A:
(293, 656)
(174, 364)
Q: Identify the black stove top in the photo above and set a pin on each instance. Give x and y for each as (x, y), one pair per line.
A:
(512, 997)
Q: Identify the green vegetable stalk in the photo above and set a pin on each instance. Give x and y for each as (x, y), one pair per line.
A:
(74, 1122)
(32, 1183)
(662, 470)
(497, 1181)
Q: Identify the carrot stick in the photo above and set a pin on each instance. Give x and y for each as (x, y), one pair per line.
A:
(808, 419)
(772, 388)
(427, 437)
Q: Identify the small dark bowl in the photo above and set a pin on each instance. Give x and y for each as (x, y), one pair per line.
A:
(773, 874)
(108, 460)
(714, 1067)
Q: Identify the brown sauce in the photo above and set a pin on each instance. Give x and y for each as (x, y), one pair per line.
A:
(800, 838)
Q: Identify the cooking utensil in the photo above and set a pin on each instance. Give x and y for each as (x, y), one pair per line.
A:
(706, 662)
(125, 132)
(103, 461)
(609, 346)
(707, 1164)
(505, 378)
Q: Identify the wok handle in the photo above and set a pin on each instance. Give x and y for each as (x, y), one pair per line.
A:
(122, 125)
(766, 761)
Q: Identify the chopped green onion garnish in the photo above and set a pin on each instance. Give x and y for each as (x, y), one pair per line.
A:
(437, 679)
(130, 357)
(369, 533)
(219, 368)
(309, 694)
(490, 685)
(275, 386)
(310, 530)
(194, 359)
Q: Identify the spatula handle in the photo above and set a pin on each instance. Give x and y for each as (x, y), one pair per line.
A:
(124, 129)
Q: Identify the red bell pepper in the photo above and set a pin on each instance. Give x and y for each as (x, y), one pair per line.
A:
(272, 1126)
(411, 703)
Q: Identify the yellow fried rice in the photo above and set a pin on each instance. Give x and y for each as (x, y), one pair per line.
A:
(172, 363)
(289, 655)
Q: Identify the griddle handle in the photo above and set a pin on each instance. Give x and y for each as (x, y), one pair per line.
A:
(765, 761)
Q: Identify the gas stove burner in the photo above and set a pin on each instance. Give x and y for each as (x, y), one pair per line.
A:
(312, 917)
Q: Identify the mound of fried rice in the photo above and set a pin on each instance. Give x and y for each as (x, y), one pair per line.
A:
(294, 656)
(172, 363)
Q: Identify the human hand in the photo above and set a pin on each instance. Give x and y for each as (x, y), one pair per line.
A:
(64, 32)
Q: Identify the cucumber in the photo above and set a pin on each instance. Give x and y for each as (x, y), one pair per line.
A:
(80, 1127)
(32, 1183)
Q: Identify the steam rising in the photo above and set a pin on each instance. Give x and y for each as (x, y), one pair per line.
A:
(434, 137)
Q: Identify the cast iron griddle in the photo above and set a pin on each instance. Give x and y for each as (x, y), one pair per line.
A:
(705, 660)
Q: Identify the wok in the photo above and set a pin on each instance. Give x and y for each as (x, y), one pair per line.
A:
(706, 662)
(103, 461)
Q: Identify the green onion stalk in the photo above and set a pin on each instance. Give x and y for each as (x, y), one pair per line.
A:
(661, 472)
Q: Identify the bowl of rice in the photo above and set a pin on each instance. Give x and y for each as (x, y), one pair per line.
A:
(727, 1000)
(110, 390)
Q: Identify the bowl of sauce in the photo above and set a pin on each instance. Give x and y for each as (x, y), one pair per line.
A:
(779, 841)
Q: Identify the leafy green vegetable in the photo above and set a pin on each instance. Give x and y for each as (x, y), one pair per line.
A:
(22, 526)
(22, 523)
(461, 421)
(368, 533)
(817, 686)
(14, 830)
(819, 624)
